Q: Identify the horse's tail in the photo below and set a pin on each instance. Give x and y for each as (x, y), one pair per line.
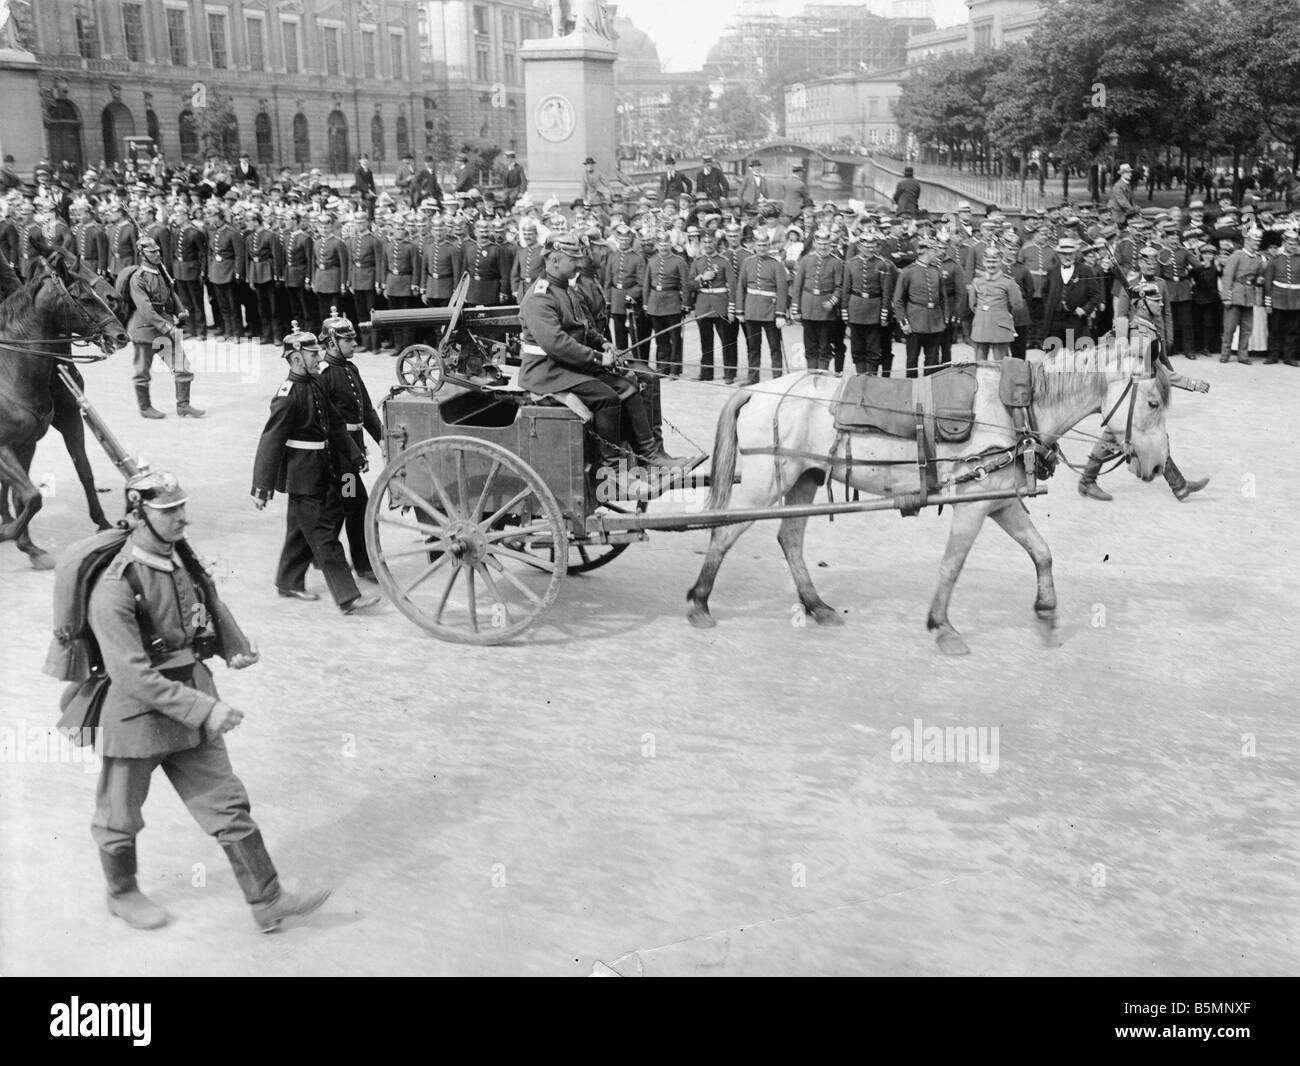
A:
(725, 451)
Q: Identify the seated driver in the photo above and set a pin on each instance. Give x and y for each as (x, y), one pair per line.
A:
(562, 353)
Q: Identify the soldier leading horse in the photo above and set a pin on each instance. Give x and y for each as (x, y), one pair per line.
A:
(58, 305)
(781, 436)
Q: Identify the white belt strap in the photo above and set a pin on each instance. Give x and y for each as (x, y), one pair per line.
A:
(723, 289)
(533, 349)
(352, 427)
(307, 445)
(761, 292)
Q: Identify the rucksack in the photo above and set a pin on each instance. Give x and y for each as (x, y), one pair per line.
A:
(123, 283)
(74, 653)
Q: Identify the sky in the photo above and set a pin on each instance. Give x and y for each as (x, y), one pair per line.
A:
(685, 30)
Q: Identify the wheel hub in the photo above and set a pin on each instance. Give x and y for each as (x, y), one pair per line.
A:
(466, 542)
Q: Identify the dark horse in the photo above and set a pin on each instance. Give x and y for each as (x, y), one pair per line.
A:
(57, 305)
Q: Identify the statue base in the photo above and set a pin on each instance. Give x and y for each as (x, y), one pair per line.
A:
(22, 129)
(569, 90)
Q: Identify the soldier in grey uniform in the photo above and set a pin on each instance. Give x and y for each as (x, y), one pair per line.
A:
(153, 329)
(162, 709)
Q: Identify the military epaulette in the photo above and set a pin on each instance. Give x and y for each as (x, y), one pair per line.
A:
(285, 388)
(542, 285)
(118, 566)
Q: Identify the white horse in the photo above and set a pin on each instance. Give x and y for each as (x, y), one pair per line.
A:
(792, 415)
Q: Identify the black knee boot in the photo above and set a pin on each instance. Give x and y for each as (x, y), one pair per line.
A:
(638, 430)
(261, 885)
(183, 406)
(147, 409)
(125, 900)
(1181, 486)
(1088, 482)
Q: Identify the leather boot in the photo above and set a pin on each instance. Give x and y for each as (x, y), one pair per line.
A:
(146, 407)
(261, 885)
(1088, 482)
(125, 900)
(649, 450)
(183, 406)
(1181, 486)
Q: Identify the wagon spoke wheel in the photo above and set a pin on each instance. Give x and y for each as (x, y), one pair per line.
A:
(421, 364)
(444, 526)
(584, 557)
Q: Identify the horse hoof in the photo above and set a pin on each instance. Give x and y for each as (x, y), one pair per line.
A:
(700, 618)
(1048, 630)
(42, 561)
(826, 616)
(950, 643)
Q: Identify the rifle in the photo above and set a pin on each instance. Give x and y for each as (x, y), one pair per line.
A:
(230, 642)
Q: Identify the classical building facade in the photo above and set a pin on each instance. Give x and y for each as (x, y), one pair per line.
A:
(292, 82)
(851, 109)
(992, 24)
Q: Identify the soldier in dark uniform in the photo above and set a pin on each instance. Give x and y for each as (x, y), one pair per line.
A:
(762, 299)
(188, 251)
(347, 392)
(489, 275)
(664, 283)
(90, 242)
(299, 259)
(869, 281)
(921, 307)
(153, 329)
(162, 709)
(562, 353)
(1282, 300)
(259, 252)
(526, 266)
(365, 273)
(442, 266)
(401, 276)
(122, 236)
(712, 290)
(815, 298)
(622, 276)
(306, 451)
(222, 270)
(330, 276)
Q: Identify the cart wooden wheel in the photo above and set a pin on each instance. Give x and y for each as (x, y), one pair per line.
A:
(442, 527)
(421, 364)
(583, 557)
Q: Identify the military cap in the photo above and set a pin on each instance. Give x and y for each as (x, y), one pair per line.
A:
(1067, 244)
(1148, 251)
(1196, 205)
(155, 489)
(588, 162)
(567, 244)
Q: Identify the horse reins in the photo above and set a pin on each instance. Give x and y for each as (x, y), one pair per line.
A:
(97, 328)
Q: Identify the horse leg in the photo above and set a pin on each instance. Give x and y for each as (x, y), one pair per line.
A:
(40, 558)
(70, 427)
(27, 502)
(1016, 523)
(966, 522)
(790, 537)
(720, 542)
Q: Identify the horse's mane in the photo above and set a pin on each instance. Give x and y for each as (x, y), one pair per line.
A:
(19, 307)
(1059, 387)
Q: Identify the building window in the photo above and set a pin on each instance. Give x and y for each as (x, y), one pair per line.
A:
(873, 107)
(262, 131)
(984, 37)
(87, 34)
(508, 26)
(482, 64)
(178, 39)
(301, 140)
(189, 137)
(403, 136)
(480, 20)
(217, 40)
(256, 44)
(368, 53)
(133, 31)
(377, 138)
(331, 37)
(289, 31)
(508, 66)
(397, 45)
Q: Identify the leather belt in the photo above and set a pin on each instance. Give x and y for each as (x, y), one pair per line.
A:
(723, 289)
(352, 427)
(1284, 285)
(762, 292)
(306, 445)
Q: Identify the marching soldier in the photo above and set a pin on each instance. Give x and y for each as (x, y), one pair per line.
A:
(153, 329)
(365, 273)
(762, 296)
(330, 276)
(188, 248)
(712, 289)
(347, 392)
(162, 709)
(442, 265)
(223, 270)
(665, 285)
(815, 298)
(305, 450)
(260, 256)
(921, 307)
(869, 281)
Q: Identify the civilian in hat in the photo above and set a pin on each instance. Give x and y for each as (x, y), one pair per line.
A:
(796, 196)
(1207, 322)
(1120, 201)
(753, 190)
(514, 181)
(245, 173)
(9, 178)
(673, 184)
(1072, 296)
(595, 189)
(424, 184)
(711, 181)
(907, 193)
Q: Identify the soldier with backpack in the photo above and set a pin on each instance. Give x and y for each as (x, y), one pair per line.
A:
(149, 290)
(152, 626)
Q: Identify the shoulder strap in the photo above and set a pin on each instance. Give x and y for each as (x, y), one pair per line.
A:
(153, 644)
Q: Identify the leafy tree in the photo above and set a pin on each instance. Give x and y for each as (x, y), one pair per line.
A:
(740, 115)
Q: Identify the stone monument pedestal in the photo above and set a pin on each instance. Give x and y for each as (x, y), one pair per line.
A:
(569, 90)
(22, 130)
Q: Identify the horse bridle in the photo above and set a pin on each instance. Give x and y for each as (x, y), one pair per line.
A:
(1131, 392)
(92, 330)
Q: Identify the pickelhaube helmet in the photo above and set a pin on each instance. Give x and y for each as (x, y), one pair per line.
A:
(147, 244)
(156, 489)
(336, 326)
(299, 340)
